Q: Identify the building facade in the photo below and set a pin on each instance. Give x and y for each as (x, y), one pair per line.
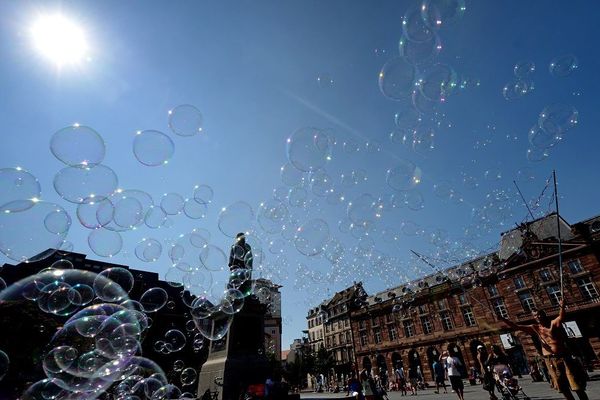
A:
(269, 293)
(458, 309)
(316, 330)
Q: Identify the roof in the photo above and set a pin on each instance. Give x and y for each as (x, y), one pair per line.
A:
(543, 228)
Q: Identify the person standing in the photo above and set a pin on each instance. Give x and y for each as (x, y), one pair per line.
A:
(439, 370)
(401, 380)
(453, 365)
(413, 378)
(567, 374)
(489, 383)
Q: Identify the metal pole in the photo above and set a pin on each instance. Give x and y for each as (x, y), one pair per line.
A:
(523, 198)
(560, 266)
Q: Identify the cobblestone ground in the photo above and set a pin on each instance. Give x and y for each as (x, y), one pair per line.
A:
(535, 390)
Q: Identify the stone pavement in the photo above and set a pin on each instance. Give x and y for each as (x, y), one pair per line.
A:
(535, 390)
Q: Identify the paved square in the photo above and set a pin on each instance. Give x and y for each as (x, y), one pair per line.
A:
(535, 390)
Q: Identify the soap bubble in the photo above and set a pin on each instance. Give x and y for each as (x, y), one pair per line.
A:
(291, 176)
(362, 209)
(153, 148)
(414, 27)
(185, 120)
(535, 154)
(438, 13)
(17, 184)
(308, 149)
(172, 203)
(556, 119)
(324, 80)
(27, 234)
(4, 364)
(213, 327)
(174, 340)
(128, 212)
(272, 215)
(312, 236)
(188, 376)
(154, 299)
(235, 218)
(564, 65)
(78, 146)
(437, 82)
(397, 78)
(148, 250)
(405, 175)
(75, 184)
(524, 69)
(297, 197)
(541, 139)
(517, 88)
(105, 243)
(104, 284)
(95, 212)
(155, 217)
(203, 194)
(194, 209)
(213, 258)
(419, 53)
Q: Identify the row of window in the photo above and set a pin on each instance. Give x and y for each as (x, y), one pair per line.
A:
(341, 338)
(315, 321)
(318, 335)
(337, 325)
(426, 325)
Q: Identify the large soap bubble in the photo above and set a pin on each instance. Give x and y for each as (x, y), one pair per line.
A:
(185, 120)
(309, 149)
(419, 53)
(28, 233)
(78, 146)
(438, 13)
(414, 27)
(564, 65)
(235, 218)
(153, 148)
(405, 175)
(272, 215)
(312, 236)
(148, 250)
(75, 184)
(556, 119)
(95, 212)
(437, 82)
(397, 78)
(17, 184)
(105, 243)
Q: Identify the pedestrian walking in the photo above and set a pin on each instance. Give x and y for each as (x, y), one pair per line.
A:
(439, 370)
(453, 365)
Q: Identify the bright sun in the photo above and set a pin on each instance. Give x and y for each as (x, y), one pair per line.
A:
(59, 40)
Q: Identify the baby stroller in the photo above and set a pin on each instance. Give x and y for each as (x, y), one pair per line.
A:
(507, 385)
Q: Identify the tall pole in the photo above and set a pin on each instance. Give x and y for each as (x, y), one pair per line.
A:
(560, 266)
(524, 202)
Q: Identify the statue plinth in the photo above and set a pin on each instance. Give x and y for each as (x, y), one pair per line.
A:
(238, 359)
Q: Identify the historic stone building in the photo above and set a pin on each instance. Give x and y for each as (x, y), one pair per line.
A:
(316, 330)
(273, 326)
(457, 309)
(334, 315)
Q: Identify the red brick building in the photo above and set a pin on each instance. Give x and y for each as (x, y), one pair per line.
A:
(411, 324)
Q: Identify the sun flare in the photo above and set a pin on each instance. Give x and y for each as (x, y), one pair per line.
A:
(59, 40)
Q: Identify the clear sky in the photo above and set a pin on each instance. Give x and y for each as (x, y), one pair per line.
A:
(260, 70)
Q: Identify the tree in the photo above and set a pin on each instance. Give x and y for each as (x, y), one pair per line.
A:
(323, 362)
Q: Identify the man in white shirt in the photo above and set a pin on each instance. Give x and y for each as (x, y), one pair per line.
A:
(452, 367)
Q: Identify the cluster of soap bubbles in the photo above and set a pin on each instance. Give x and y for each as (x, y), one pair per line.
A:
(98, 349)
(30, 226)
(553, 122)
(522, 83)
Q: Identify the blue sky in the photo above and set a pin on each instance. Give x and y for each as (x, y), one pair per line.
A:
(252, 68)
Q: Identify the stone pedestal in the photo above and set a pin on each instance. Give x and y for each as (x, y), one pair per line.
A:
(238, 359)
